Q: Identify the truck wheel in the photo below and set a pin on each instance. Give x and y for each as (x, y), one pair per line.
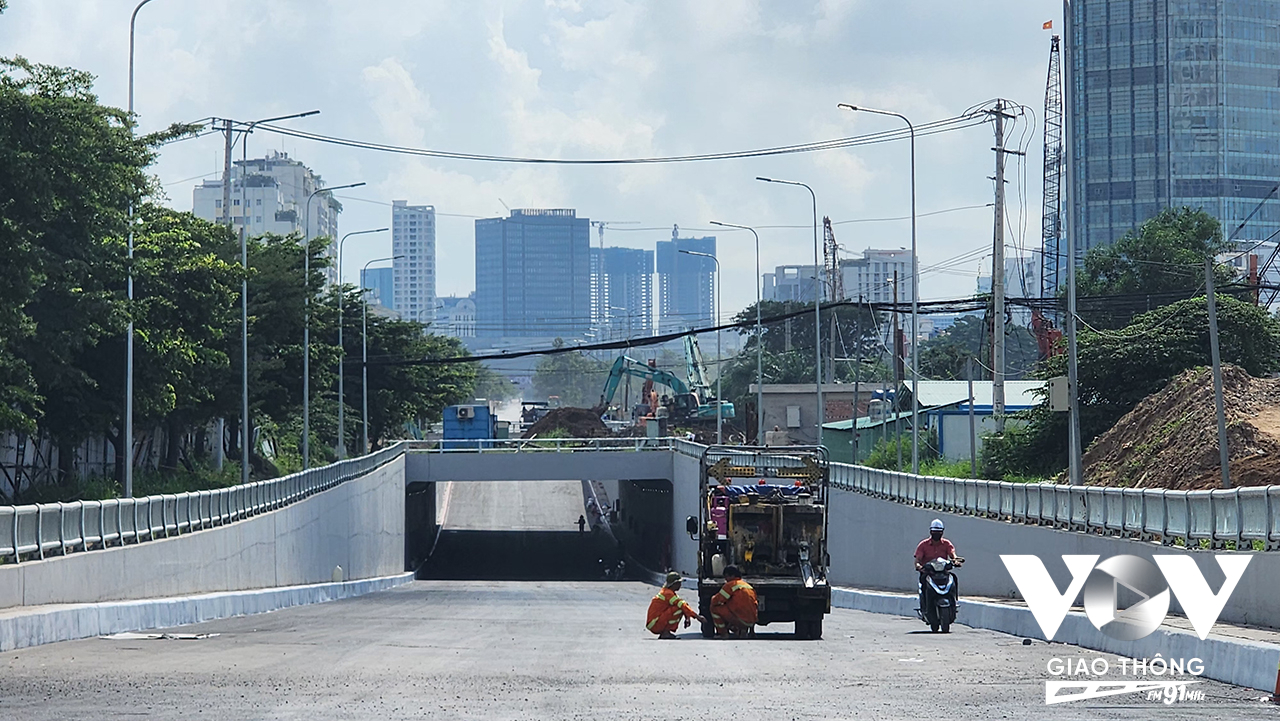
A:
(815, 630)
(946, 627)
(708, 629)
(933, 627)
(802, 630)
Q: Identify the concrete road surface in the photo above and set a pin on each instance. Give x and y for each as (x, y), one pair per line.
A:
(510, 505)
(490, 650)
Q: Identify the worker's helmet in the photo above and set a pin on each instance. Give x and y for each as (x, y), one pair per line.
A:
(936, 525)
(672, 579)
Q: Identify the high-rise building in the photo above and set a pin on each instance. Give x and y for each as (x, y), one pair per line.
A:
(377, 284)
(869, 277)
(1021, 277)
(623, 279)
(533, 274)
(686, 283)
(269, 195)
(413, 272)
(1173, 103)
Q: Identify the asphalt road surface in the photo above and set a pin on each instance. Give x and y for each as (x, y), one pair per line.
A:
(531, 650)
(510, 505)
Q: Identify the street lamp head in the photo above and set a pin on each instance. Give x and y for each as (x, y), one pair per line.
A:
(854, 108)
(763, 179)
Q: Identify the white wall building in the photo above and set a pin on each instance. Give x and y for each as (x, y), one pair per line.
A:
(456, 316)
(413, 236)
(871, 276)
(269, 195)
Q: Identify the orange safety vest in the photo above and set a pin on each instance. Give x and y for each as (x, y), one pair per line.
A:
(738, 598)
(666, 609)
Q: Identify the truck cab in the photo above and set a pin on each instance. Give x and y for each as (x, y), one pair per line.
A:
(764, 510)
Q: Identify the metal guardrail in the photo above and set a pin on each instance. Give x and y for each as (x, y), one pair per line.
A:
(536, 445)
(1240, 516)
(36, 531)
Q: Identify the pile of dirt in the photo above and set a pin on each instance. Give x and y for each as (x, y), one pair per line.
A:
(574, 422)
(1170, 439)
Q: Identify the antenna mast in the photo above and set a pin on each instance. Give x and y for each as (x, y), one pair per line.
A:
(1051, 257)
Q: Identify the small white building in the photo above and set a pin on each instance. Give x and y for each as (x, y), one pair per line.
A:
(946, 406)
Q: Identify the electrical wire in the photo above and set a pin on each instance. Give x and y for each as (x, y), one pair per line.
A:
(958, 122)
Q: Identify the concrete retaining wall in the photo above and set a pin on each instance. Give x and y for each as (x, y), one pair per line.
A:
(50, 624)
(358, 525)
(872, 542)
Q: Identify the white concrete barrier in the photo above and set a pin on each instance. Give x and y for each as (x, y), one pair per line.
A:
(33, 626)
(1236, 661)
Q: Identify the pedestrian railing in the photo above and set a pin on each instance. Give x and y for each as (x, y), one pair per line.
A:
(40, 530)
(536, 445)
(1244, 517)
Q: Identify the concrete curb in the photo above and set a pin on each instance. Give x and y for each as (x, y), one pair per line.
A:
(84, 620)
(1239, 662)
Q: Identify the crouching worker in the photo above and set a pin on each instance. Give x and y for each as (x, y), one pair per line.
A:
(734, 608)
(667, 608)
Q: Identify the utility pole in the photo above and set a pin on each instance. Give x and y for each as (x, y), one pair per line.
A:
(226, 173)
(1076, 470)
(831, 345)
(897, 373)
(997, 273)
(857, 380)
(1223, 456)
(973, 428)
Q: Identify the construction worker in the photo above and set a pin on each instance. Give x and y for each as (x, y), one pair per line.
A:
(667, 608)
(734, 608)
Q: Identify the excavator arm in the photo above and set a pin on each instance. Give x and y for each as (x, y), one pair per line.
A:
(624, 366)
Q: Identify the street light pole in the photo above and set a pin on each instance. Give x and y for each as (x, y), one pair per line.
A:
(759, 337)
(817, 300)
(341, 448)
(719, 356)
(128, 354)
(915, 287)
(364, 349)
(306, 325)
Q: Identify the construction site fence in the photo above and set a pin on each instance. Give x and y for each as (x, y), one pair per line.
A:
(1244, 518)
(40, 530)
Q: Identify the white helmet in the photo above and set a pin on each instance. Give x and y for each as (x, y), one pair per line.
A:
(936, 525)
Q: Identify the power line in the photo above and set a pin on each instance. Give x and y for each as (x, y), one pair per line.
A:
(959, 122)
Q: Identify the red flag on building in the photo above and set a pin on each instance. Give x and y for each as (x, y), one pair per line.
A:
(1047, 26)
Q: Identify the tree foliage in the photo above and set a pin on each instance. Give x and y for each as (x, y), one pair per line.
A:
(73, 190)
(945, 356)
(576, 377)
(1117, 369)
(1165, 255)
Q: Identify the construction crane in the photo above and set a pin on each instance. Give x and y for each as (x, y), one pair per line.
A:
(1052, 260)
(831, 260)
(1051, 257)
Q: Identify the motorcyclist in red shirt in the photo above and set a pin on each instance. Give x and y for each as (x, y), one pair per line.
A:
(935, 546)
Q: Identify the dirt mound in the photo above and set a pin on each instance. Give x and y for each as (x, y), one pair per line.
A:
(573, 422)
(1170, 439)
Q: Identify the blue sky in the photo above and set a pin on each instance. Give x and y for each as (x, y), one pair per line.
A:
(566, 78)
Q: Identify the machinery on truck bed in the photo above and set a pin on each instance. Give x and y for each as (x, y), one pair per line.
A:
(764, 510)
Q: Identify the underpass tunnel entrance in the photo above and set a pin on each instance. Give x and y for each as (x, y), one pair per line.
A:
(530, 531)
(514, 531)
(641, 520)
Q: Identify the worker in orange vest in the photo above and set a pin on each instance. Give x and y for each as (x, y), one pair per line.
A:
(734, 609)
(667, 608)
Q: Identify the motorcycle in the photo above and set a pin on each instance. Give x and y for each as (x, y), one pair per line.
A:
(612, 572)
(939, 593)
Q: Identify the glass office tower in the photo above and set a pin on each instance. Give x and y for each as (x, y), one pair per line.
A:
(1174, 103)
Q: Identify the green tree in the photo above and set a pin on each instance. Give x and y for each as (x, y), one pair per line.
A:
(69, 169)
(494, 386)
(1117, 369)
(576, 377)
(944, 357)
(1165, 255)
